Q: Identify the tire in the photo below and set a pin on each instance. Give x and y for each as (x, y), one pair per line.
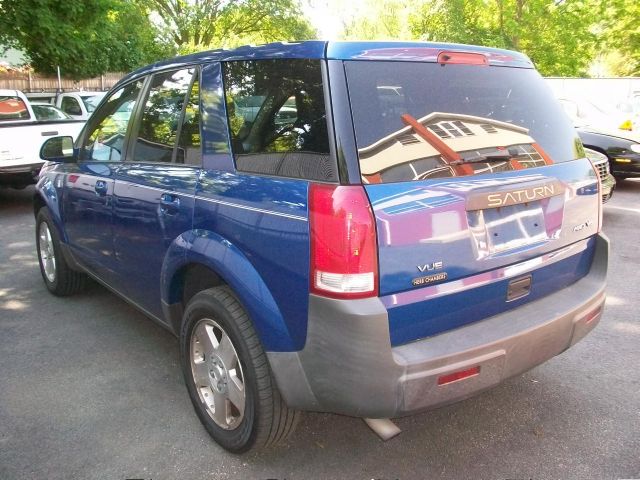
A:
(58, 276)
(224, 365)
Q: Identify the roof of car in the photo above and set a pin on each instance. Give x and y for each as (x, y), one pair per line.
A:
(317, 49)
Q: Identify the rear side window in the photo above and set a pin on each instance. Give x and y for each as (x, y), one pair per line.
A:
(277, 119)
(415, 121)
(12, 108)
(161, 116)
(105, 135)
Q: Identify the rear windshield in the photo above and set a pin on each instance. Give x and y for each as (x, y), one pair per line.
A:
(415, 121)
(12, 108)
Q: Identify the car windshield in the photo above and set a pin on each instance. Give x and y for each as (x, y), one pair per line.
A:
(12, 108)
(48, 112)
(424, 120)
(91, 101)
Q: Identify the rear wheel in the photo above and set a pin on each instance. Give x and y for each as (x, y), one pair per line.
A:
(228, 375)
(58, 276)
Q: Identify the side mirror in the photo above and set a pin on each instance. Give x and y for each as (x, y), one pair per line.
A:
(57, 149)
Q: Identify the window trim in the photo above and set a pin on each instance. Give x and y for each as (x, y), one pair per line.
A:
(195, 75)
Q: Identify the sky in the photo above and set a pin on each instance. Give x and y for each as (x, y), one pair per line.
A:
(12, 57)
(328, 16)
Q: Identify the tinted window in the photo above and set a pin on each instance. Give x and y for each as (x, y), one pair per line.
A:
(71, 106)
(161, 116)
(12, 108)
(422, 120)
(277, 118)
(106, 133)
(189, 151)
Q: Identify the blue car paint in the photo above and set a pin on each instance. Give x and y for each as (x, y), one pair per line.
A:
(414, 320)
(220, 255)
(88, 216)
(49, 195)
(316, 49)
(423, 200)
(253, 230)
(419, 51)
(266, 219)
(145, 227)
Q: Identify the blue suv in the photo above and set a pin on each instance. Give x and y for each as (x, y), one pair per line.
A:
(369, 229)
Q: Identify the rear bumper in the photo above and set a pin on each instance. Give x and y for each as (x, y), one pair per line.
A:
(16, 172)
(349, 367)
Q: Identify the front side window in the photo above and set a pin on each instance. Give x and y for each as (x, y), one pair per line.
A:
(161, 116)
(105, 136)
(277, 119)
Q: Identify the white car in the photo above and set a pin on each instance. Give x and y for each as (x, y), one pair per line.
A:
(22, 135)
(78, 105)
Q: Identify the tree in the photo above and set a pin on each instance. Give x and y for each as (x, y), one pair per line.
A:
(621, 35)
(558, 35)
(382, 20)
(198, 24)
(84, 37)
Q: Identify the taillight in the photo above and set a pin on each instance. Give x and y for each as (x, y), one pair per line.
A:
(344, 260)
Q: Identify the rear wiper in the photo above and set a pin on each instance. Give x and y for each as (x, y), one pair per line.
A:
(502, 157)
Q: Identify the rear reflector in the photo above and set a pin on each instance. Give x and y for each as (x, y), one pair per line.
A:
(462, 58)
(592, 315)
(461, 375)
(344, 259)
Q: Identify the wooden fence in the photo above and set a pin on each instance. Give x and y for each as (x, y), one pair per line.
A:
(30, 82)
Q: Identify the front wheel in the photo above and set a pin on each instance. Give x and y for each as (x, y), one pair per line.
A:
(228, 375)
(58, 276)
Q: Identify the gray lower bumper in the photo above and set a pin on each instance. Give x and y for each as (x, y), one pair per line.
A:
(349, 367)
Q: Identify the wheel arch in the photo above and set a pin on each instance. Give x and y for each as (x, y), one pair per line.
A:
(199, 260)
(46, 195)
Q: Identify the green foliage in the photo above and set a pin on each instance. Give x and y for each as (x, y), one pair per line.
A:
(621, 28)
(194, 26)
(384, 20)
(557, 35)
(84, 37)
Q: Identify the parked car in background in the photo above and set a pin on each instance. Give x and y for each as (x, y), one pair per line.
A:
(48, 112)
(21, 136)
(601, 164)
(320, 243)
(78, 105)
(599, 116)
(622, 150)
